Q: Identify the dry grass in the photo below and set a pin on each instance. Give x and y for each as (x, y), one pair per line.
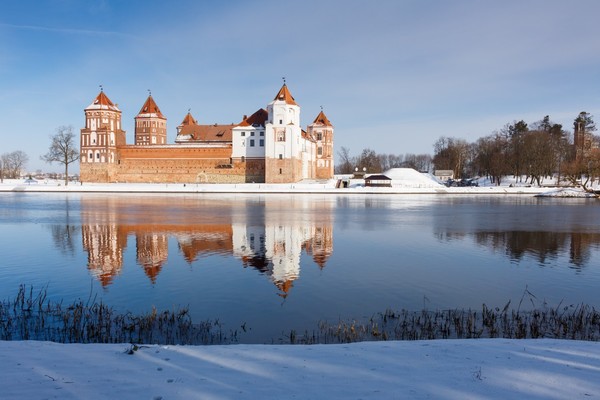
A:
(580, 322)
(30, 316)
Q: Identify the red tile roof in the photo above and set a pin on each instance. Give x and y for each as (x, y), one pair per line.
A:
(150, 107)
(189, 120)
(285, 95)
(102, 102)
(194, 133)
(322, 119)
(258, 118)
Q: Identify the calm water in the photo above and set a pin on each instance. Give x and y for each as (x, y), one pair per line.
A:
(282, 262)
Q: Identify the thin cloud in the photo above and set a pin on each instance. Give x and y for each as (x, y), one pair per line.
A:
(68, 31)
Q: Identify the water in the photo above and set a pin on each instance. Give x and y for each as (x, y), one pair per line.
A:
(274, 263)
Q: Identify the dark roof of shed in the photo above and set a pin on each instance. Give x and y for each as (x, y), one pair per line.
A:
(378, 177)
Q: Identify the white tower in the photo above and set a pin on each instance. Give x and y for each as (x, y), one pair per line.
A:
(283, 162)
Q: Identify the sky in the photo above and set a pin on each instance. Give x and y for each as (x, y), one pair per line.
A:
(392, 75)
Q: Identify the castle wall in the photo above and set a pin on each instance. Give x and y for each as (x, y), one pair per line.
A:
(286, 170)
(174, 164)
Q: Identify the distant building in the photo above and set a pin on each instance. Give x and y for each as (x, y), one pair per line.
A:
(269, 146)
(378, 180)
(583, 139)
(444, 175)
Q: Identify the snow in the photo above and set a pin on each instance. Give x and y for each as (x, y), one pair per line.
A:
(438, 369)
(567, 192)
(408, 177)
(405, 183)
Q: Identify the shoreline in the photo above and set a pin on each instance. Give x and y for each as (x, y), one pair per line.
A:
(260, 188)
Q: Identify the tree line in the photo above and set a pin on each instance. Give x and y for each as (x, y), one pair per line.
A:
(534, 151)
(372, 162)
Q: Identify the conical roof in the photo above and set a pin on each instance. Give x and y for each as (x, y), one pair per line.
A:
(102, 102)
(285, 95)
(188, 120)
(322, 119)
(150, 109)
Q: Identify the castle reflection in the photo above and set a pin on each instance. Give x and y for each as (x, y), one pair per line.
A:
(268, 234)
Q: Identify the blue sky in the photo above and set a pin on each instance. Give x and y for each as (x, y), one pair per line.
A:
(392, 76)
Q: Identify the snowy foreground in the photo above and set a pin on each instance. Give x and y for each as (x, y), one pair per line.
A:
(438, 369)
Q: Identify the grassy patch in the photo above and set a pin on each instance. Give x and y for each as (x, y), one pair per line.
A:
(30, 316)
(580, 322)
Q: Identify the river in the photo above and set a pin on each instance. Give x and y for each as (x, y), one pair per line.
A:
(279, 262)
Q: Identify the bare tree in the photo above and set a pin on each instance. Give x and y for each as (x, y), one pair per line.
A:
(345, 164)
(3, 165)
(18, 160)
(12, 164)
(492, 153)
(451, 154)
(62, 149)
(368, 159)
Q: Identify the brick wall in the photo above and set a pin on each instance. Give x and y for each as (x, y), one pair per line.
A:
(283, 171)
(174, 164)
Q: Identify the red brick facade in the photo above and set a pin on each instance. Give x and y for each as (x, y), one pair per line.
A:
(201, 154)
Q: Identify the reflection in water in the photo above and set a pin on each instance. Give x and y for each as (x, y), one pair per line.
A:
(542, 246)
(268, 235)
(226, 256)
(63, 235)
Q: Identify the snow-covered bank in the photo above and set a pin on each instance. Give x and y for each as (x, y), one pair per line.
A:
(438, 369)
(301, 187)
(567, 192)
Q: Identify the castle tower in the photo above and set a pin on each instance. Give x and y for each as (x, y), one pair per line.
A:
(100, 138)
(150, 125)
(283, 162)
(321, 131)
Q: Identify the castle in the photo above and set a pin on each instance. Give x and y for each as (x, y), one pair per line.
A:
(269, 146)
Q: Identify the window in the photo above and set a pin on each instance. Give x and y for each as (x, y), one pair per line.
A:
(251, 142)
(320, 151)
(281, 136)
(262, 134)
(243, 159)
(280, 121)
(319, 136)
(262, 142)
(252, 133)
(281, 156)
(243, 134)
(280, 171)
(97, 156)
